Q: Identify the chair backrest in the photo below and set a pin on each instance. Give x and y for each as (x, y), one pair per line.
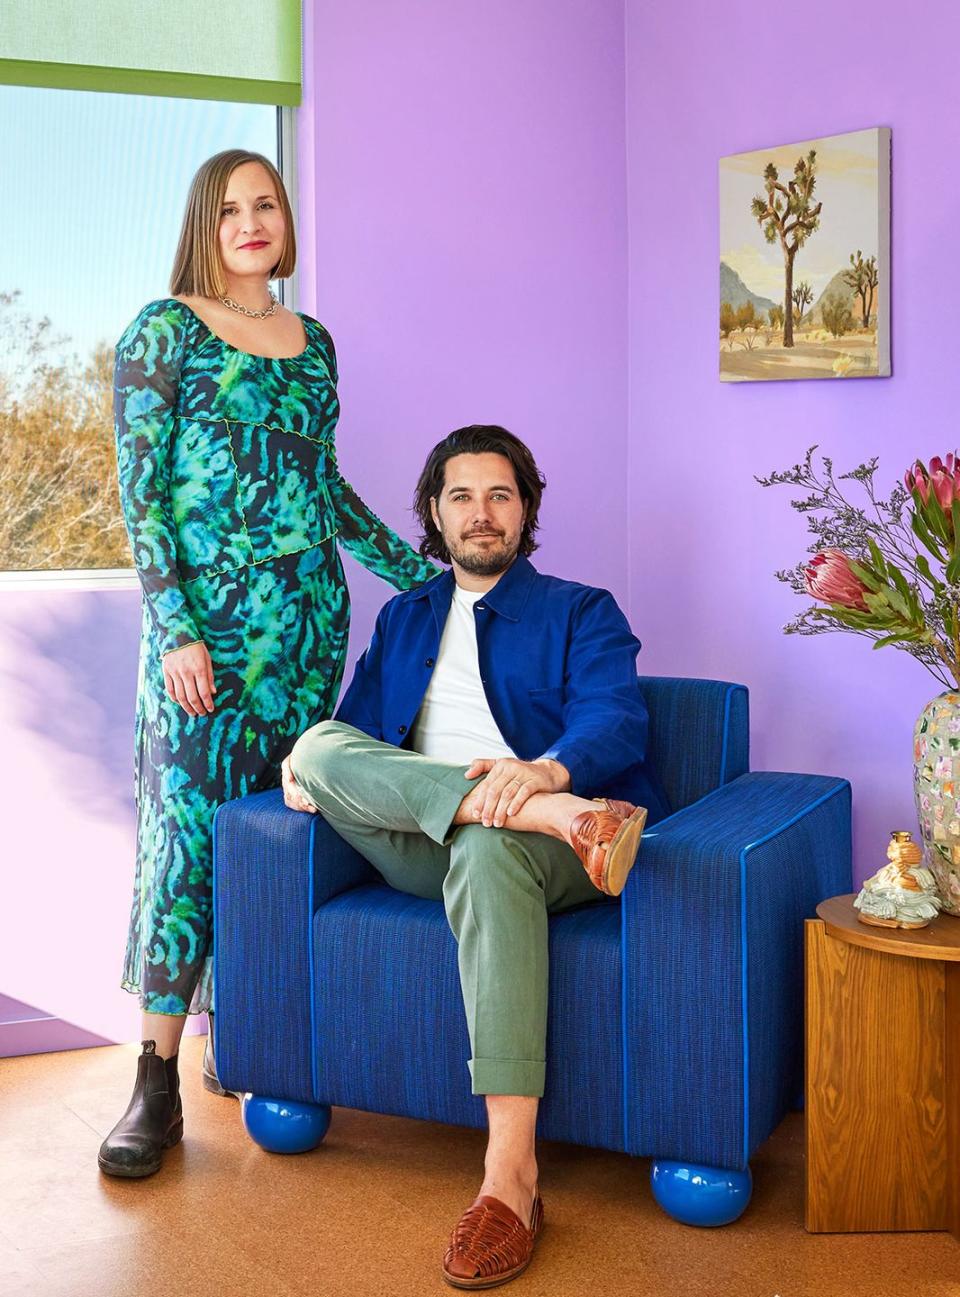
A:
(699, 735)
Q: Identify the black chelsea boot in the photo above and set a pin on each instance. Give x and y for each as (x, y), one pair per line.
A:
(153, 1120)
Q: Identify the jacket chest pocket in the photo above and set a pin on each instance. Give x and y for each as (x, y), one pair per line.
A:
(546, 711)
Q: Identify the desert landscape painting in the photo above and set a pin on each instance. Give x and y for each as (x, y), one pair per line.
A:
(805, 260)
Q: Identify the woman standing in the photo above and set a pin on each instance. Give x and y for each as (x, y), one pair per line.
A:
(226, 409)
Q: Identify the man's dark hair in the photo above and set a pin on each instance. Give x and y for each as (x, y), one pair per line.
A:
(478, 439)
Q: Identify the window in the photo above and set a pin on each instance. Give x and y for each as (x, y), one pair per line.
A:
(96, 183)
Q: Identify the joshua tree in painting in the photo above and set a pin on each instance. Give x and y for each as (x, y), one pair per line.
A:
(863, 279)
(802, 297)
(787, 213)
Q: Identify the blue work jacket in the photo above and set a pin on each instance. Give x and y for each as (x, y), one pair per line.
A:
(558, 667)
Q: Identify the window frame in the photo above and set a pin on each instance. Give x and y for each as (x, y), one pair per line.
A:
(125, 578)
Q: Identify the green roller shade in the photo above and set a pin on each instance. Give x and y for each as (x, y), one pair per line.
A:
(245, 51)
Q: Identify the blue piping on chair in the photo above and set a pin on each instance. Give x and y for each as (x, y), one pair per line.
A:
(726, 734)
(213, 872)
(623, 1022)
(314, 1077)
(744, 952)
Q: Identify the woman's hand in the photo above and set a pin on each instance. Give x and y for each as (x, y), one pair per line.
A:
(188, 678)
(508, 784)
(293, 794)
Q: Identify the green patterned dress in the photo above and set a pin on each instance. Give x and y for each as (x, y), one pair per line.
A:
(235, 508)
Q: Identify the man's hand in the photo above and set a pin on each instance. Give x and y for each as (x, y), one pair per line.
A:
(293, 794)
(188, 678)
(509, 783)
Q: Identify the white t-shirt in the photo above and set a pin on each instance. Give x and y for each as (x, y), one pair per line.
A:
(454, 722)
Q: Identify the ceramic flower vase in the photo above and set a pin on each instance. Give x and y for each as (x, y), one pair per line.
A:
(936, 782)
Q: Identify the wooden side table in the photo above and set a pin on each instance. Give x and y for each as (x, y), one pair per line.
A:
(883, 1074)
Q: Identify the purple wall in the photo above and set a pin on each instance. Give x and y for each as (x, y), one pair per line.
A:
(471, 251)
(705, 80)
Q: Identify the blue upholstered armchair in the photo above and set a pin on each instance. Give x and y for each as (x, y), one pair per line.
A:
(675, 1027)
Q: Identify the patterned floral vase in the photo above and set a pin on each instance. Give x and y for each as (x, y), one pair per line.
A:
(936, 783)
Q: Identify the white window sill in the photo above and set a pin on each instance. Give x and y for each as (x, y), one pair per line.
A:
(95, 579)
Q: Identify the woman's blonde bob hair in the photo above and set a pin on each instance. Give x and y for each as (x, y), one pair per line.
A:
(197, 268)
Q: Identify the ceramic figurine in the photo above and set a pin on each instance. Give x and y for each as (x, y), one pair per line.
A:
(902, 894)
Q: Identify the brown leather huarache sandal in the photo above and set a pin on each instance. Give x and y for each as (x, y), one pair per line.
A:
(490, 1244)
(607, 842)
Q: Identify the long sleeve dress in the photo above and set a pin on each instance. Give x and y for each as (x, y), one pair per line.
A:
(235, 507)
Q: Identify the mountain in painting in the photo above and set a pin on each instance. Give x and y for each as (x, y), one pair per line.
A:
(735, 291)
(837, 288)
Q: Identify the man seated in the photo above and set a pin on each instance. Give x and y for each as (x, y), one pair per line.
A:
(492, 704)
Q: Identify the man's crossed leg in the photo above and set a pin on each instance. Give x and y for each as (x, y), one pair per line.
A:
(413, 818)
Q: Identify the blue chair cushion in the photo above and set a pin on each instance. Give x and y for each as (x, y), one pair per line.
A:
(391, 1034)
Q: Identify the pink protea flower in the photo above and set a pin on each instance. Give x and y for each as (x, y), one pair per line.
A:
(943, 476)
(830, 578)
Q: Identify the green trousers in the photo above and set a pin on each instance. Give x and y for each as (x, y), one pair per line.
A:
(396, 808)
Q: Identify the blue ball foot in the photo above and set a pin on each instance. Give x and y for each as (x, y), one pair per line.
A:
(701, 1195)
(284, 1125)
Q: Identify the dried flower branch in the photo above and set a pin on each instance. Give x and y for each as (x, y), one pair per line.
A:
(871, 564)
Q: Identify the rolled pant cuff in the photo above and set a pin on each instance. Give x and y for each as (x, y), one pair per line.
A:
(524, 1076)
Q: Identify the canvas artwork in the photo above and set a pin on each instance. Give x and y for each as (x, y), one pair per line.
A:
(805, 260)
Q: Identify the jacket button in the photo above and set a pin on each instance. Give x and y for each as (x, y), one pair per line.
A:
(403, 729)
(481, 607)
(429, 662)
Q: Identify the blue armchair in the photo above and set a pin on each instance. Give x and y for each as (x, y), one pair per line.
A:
(675, 1027)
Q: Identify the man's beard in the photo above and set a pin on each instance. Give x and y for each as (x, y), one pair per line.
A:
(488, 562)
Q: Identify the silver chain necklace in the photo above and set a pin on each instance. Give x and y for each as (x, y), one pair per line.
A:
(245, 310)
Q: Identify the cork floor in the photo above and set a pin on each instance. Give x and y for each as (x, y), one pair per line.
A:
(368, 1212)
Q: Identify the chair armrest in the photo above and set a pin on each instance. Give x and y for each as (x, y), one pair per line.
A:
(273, 868)
(713, 962)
